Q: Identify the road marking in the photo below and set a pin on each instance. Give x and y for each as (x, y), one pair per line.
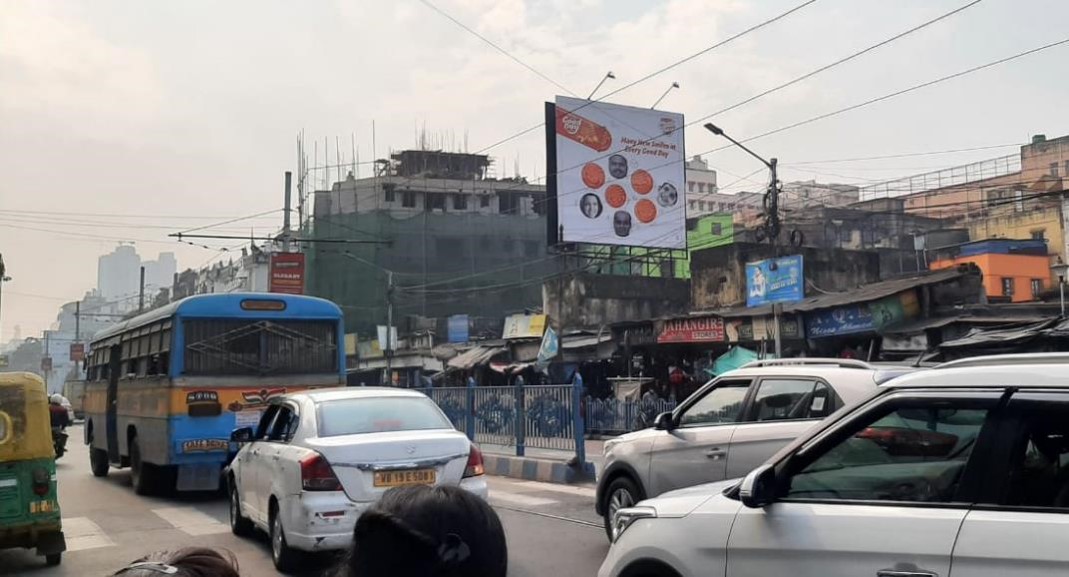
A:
(82, 534)
(191, 521)
(566, 489)
(521, 500)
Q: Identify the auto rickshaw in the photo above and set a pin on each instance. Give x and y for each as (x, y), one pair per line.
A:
(29, 503)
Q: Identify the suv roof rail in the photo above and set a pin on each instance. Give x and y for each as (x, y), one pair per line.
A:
(841, 363)
(1015, 359)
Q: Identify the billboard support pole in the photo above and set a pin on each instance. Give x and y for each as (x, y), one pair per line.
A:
(388, 352)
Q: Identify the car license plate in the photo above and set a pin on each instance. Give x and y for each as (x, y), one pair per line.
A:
(406, 477)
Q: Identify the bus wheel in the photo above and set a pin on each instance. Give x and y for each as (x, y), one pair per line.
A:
(140, 473)
(98, 462)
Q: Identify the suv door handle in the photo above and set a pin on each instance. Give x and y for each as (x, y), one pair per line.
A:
(896, 573)
(716, 453)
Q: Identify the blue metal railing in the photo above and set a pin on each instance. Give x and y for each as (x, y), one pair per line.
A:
(537, 416)
(612, 416)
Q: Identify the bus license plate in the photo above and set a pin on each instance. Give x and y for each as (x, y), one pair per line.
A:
(408, 477)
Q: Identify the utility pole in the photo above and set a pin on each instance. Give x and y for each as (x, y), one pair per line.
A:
(78, 335)
(141, 293)
(47, 356)
(3, 278)
(286, 215)
(770, 230)
(388, 353)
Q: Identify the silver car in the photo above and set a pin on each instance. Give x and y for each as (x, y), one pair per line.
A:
(730, 426)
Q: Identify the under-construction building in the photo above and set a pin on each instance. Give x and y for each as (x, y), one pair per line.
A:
(453, 239)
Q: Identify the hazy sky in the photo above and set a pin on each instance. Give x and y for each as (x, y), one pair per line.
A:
(127, 120)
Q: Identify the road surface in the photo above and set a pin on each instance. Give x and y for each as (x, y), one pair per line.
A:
(551, 529)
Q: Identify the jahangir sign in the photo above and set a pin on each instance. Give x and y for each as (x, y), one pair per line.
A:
(693, 330)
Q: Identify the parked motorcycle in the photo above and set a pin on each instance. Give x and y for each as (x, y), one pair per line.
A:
(59, 441)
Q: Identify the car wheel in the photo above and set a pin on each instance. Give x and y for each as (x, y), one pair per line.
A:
(98, 462)
(622, 493)
(239, 524)
(140, 473)
(53, 559)
(282, 555)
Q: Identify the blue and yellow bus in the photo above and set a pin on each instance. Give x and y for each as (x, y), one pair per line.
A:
(165, 389)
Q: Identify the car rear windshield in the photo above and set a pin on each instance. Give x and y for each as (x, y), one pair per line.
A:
(377, 415)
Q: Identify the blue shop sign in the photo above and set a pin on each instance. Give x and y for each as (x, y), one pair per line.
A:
(458, 328)
(783, 282)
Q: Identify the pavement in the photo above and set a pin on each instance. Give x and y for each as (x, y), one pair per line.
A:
(551, 529)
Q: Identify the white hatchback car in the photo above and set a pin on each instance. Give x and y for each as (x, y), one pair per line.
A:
(731, 425)
(318, 459)
(960, 470)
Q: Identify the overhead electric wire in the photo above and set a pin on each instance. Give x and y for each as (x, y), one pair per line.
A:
(900, 155)
(233, 220)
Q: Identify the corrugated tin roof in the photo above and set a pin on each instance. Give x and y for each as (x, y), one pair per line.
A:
(999, 337)
(474, 357)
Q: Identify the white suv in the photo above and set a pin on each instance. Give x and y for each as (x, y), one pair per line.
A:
(729, 426)
(960, 470)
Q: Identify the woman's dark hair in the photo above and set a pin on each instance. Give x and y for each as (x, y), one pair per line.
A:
(421, 531)
(187, 562)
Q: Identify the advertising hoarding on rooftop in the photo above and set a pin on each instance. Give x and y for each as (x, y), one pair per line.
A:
(619, 175)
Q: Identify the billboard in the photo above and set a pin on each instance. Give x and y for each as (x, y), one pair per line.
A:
(782, 283)
(458, 328)
(287, 273)
(862, 317)
(77, 352)
(524, 326)
(619, 175)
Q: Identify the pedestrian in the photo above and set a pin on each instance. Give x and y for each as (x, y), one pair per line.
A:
(423, 531)
(187, 562)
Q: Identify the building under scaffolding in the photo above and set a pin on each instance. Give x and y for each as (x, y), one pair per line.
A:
(454, 240)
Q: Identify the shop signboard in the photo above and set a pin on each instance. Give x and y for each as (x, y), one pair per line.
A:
(550, 346)
(775, 280)
(388, 341)
(761, 329)
(524, 327)
(457, 327)
(692, 330)
(287, 273)
(862, 317)
(77, 352)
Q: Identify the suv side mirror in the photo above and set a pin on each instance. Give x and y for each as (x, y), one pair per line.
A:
(759, 487)
(664, 422)
(242, 435)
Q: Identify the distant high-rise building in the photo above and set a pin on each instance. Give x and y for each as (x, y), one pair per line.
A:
(119, 273)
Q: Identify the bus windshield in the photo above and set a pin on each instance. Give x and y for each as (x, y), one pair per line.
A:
(260, 347)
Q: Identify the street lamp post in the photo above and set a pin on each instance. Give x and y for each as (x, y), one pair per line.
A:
(1061, 270)
(771, 228)
(3, 279)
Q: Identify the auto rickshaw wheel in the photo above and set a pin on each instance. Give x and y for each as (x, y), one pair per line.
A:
(98, 462)
(53, 559)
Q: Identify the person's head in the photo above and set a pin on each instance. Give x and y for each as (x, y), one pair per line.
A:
(55, 399)
(618, 166)
(187, 562)
(667, 195)
(422, 531)
(621, 223)
(590, 204)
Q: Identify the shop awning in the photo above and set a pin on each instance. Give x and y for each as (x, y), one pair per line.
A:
(1000, 337)
(475, 357)
(583, 341)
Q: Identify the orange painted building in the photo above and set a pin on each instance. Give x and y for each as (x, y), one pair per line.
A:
(1013, 270)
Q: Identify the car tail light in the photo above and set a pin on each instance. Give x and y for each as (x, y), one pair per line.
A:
(475, 463)
(41, 482)
(317, 474)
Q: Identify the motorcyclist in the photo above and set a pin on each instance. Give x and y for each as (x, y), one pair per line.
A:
(61, 418)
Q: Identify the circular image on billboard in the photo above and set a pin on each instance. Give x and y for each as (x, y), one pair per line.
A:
(642, 182)
(618, 166)
(593, 175)
(590, 205)
(621, 223)
(667, 195)
(645, 211)
(615, 195)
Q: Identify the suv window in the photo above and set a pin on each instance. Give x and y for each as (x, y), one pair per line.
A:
(907, 454)
(780, 399)
(1039, 469)
(722, 404)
